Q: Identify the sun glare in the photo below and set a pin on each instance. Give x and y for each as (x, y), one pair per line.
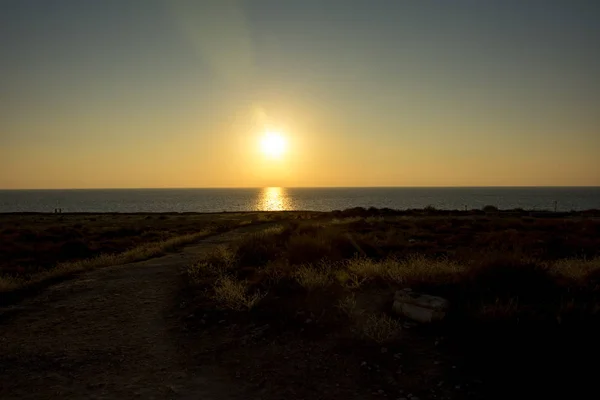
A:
(273, 144)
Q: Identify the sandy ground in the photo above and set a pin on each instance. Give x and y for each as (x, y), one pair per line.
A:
(110, 333)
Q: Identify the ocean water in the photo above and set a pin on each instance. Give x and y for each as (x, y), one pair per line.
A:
(277, 199)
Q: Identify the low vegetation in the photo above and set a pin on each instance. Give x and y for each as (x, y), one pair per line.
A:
(62, 270)
(515, 284)
(312, 292)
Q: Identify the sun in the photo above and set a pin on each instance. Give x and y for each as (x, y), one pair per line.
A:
(273, 144)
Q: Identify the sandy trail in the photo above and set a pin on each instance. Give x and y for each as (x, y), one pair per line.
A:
(109, 333)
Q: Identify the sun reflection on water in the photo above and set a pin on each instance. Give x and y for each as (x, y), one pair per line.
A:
(274, 199)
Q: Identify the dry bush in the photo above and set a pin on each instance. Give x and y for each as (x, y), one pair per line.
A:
(274, 272)
(349, 280)
(348, 306)
(306, 249)
(366, 269)
(218, 262)
(234, 294)
(379, 328)
(222, 256)
(312, 278)
(202, 270)
(257, 249)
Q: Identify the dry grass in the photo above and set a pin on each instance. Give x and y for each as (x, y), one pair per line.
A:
(575, 268)
(216, 265)
(376, 327)
(379, 328)
(139, 253)
(200, 270)
(366, 269)
(500, 309)
(348, 306)
(234, 295)
(310, 277)
(415, 268)
(223, 256)
(349, 280)
(418, 268)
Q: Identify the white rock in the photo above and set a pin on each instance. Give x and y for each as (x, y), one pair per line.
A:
(420, 307)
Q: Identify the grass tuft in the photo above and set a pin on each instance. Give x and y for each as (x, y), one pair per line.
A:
(312, 278)
(348, 306)
(379, 328)
(234, 294)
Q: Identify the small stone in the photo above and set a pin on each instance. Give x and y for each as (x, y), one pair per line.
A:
(362, 364)
(221, 321)
(384, 350)
(454, 367)
(436, 363)
(437, 342)
(457, 387)
(397, 355)
(381, 391)
(308, 321)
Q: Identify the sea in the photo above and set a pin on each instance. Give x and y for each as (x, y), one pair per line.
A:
(284, 199)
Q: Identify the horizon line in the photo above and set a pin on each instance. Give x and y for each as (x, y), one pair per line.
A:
(312, 187)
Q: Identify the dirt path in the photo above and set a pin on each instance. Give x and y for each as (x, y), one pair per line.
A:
(110, 333)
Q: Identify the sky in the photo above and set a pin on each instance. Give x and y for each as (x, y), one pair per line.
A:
(153, 94)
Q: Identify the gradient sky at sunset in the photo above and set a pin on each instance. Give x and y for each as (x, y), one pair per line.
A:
(147, 93)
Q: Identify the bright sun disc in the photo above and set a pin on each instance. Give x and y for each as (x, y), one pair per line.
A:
(273, 144)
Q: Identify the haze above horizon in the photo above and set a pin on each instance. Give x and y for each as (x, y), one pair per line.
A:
(342, 93)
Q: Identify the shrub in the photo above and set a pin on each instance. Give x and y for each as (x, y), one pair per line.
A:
(234, 295)
(257, 249)
(306, 249)
(379, 328)
(311, 278)
(348, 306)
(365, 269)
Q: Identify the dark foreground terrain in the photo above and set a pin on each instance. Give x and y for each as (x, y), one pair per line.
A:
(300, 306)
